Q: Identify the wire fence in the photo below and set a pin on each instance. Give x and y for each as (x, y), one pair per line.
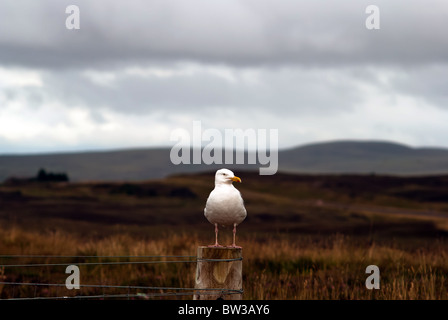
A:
(12, 289)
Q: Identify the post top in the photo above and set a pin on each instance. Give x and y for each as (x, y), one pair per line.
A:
(206, 252)
(220, 248)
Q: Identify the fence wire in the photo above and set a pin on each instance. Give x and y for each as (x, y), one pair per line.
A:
(169, 291)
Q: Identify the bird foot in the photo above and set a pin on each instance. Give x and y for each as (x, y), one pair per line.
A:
(215, 246)
(234, 246)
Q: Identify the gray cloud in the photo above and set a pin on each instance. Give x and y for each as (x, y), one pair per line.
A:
(231, 32)
(310, 68)
(295, 91)
(427, 83)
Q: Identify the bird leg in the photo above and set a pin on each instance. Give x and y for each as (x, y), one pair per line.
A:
(234, 236)
(216, 237)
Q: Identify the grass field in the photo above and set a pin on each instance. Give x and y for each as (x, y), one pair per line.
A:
(306, 237)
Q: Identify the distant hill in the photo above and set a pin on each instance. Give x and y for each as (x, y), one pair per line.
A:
(364, 157)
(141, 164)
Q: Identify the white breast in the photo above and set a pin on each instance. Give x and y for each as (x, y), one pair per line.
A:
(225, 206)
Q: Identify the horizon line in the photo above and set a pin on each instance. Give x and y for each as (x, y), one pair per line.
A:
(167, 147)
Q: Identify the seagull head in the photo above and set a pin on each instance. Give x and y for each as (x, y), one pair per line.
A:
(225, 176)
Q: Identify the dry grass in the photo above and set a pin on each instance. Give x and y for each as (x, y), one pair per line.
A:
(275, 267)
(334, 268)
(306, 237)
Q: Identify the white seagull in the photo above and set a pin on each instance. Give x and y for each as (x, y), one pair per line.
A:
(225, 206)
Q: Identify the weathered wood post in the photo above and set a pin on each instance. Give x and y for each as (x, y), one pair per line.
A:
(219, 268)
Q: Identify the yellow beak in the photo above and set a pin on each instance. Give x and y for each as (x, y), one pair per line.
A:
(236, 179)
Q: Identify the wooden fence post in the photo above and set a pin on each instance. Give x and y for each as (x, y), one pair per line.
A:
(211, 273)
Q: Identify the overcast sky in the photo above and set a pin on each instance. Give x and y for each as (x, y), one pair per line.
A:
(137, 70)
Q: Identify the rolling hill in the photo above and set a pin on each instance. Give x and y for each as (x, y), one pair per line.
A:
(363, 157)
